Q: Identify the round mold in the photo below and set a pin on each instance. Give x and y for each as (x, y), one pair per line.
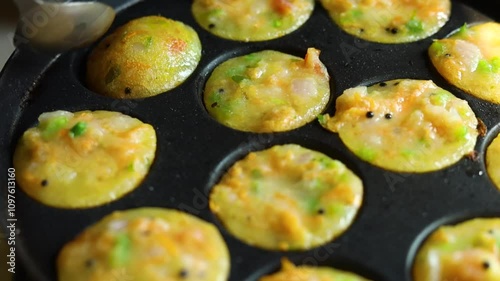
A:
(133, 11)
(371, 81)
(265, 141)
(453, 219)
(206, 72)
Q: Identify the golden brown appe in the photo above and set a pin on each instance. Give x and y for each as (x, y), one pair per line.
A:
(252, 20)
(467, 251)
(83, 159)
(146, 244)
(389, 21)
(404, 125)
(143, 58)
(470, 60)
(287, 198)
(268, 91)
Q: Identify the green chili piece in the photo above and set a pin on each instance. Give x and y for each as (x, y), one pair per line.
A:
(312, 204)
(327, 162)
(255, 187)
(484, 66)
(351, 16)
(277, 23)
(367, 154)
(256, 174)
(149, 42)
(495, 63)
(438, 48)
(462, 132)
(322, 119)
(252, 60)
(440, 98)
(214, 14)
(463, 30)
(78, 130)
(120, 253)
(238, 78)
(53, 126)
(415, 25)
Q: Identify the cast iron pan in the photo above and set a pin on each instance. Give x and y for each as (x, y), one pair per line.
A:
(399, 210)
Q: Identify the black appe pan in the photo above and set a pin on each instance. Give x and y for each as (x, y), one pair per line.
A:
(399, 210)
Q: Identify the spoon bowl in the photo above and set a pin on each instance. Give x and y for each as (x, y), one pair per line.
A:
(62, 26)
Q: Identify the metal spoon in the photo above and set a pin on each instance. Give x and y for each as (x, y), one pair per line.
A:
(54, 26)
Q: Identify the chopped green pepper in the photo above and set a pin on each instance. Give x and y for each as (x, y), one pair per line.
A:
(439, 98)
(327, 162)
(408, 153)
(277, 23)
(323, 119)
(495, 63)
(214, 14)
(252, 60)
(484, 66)
(277, 101)
(149, 42)
(438, 48)
(78, 130)
(462, 132)
(256, 174)
(255, 187)
(312, 205)
(367, 154)
(351, 16)
(238, 78)
(120, 253)
(53, 126)
(463, 30)
(415, 25)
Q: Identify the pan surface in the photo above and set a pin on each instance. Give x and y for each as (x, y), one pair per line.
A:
(398, 210)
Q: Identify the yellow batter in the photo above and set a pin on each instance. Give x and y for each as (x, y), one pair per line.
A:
(468, 251)
(146, 244)
(252, 20)
(143, 58)
(268, 91)
(470, 60)
(287, 198)
(404, 125)
(389, 21)
(83, 159)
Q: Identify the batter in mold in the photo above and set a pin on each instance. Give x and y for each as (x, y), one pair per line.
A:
(252, 20)
(389, 21)
(287, 198)
(146, 244)
(467, 251)
(83, 159)
(268, 91)
(404, 125)
(290, 272)
(143, 58)
(470, 60)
